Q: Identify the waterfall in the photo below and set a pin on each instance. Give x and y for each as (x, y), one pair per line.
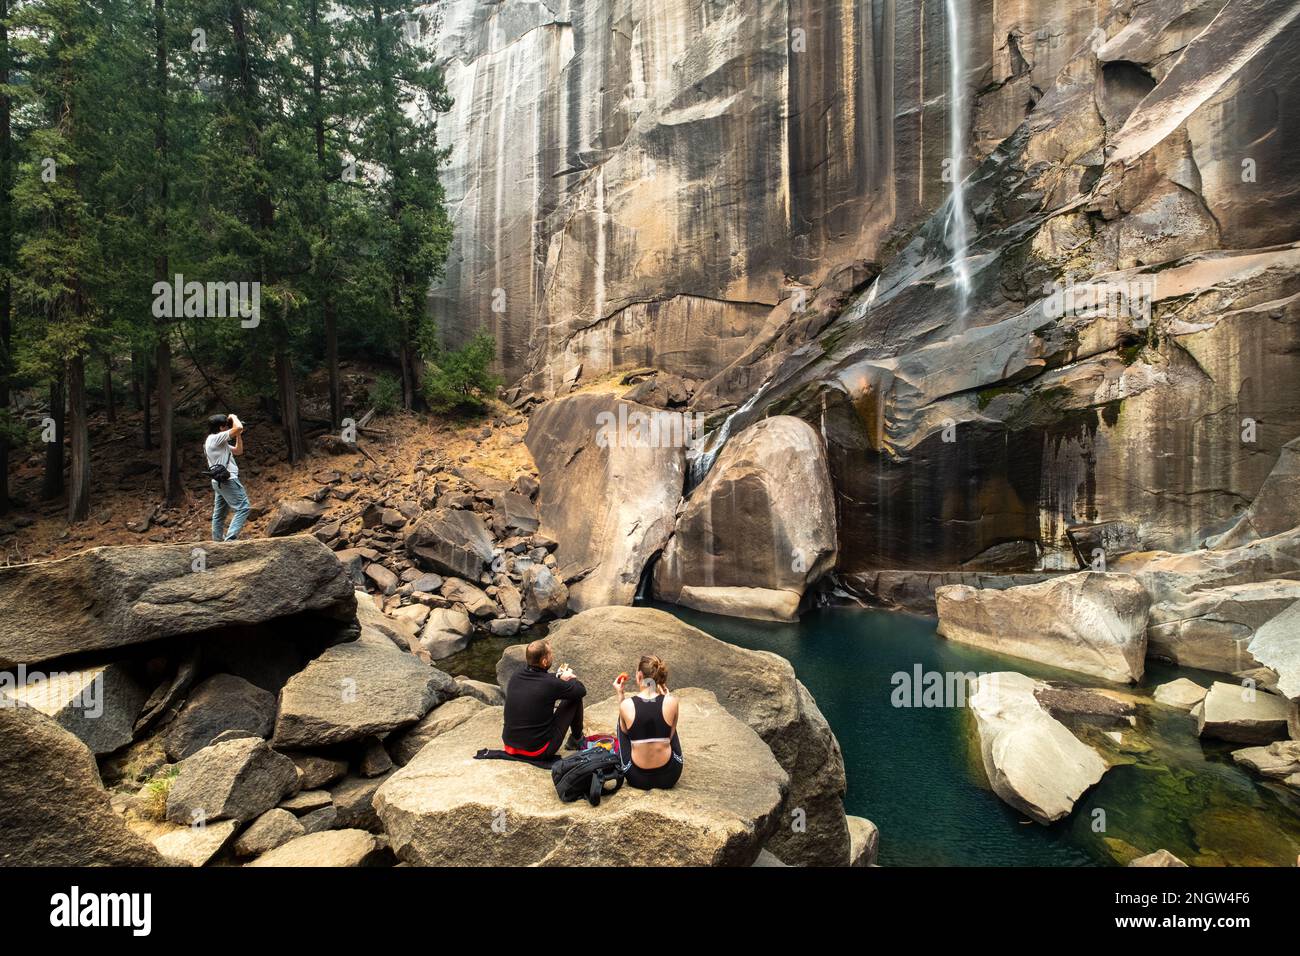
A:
(699, 465)
(956, 226)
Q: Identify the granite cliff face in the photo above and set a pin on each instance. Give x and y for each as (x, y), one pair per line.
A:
(645, 179)
(753, 196)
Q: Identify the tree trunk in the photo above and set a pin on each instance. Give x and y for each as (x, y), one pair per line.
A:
(136, 398)
(52, 485)
(290, 423)
(408, 380)
(79, 492)
(332, 361)
(167, 458)
(166, 420)
(146, 394)
(6, 250)
(110, 407)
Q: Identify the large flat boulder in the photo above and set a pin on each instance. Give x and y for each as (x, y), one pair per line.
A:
(445, 808)
(1031, 760)
(451, 541)
(1089, 622)
(232, 780)
(109, 598)
(757, 687)
(99, 705)
(1244, 715)
(609, 491)
(360, 689)
(1212, 628)
(758, 530)
(54, 810)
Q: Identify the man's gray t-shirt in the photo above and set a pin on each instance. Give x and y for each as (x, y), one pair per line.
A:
(219, 452)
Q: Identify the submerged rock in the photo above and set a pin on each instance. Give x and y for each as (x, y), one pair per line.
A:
(109, 598)
(1032, 761)
(759, 688)
(1158, 858)
(760, 528)
(1089, 622)
(445, 808)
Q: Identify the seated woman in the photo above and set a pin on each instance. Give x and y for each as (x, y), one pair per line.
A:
(648, 746)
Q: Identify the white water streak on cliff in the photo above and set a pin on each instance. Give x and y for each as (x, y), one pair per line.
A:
(957, 226)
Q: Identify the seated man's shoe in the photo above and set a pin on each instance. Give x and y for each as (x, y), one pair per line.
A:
(575, 742)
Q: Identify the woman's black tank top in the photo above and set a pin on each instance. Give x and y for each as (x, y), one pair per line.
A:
(649, 724)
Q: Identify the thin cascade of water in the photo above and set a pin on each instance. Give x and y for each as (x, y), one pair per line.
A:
(957, 227)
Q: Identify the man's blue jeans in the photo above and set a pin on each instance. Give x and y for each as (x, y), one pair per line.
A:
(230, 497)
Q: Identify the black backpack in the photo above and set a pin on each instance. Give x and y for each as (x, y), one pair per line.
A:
(585, 774)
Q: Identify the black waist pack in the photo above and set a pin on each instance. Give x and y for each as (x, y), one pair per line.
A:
(218, 472)
(585, 774)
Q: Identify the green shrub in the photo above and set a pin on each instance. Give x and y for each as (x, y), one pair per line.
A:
(459, 380)
(386, 394)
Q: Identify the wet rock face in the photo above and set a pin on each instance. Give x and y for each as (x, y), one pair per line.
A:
(638, 177)
(763, 519)
(982, 432)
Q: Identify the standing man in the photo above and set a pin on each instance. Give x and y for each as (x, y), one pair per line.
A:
(541, 706)
(226, 440)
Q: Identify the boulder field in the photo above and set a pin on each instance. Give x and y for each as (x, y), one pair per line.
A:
(236, 744)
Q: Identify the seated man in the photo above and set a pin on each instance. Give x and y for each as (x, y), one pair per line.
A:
(541, 706)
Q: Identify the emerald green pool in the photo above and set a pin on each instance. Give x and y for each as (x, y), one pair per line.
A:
(910, 769)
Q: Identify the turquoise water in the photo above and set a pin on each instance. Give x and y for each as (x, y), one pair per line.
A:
(911, 770)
